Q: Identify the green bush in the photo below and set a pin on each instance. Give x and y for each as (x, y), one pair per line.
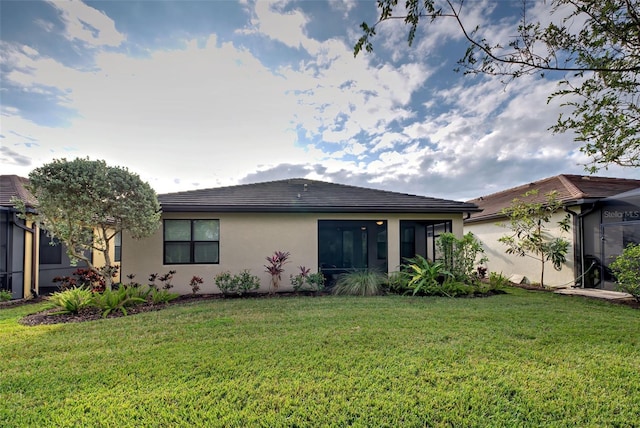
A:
(455, 289)
(72, 300)
(398, 282)
(461, 256)
(425, 277)
(117, 300)
(225, 282)
(5, 295)
(137, 290)
(306, 281)
(239, 284)
(161, 296)
(626, 268)
(498, 280)
(246, 282)
(360, 283)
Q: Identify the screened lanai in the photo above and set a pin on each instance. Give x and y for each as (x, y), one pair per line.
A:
(613, 224)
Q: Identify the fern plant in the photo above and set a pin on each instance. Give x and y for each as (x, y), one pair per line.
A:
(162, 296)
(116, 300)
(71, 300)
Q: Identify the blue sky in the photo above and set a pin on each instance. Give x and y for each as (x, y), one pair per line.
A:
(198, 94)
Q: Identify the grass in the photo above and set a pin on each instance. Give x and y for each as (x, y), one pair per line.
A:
(521, 359)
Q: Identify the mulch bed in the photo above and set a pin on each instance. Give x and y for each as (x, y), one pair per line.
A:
(92, 314)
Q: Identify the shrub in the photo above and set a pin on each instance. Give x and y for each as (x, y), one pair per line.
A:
(398, 282)
(137, 290)
(238, 284)
(498, 280)
(246, 282)
(461, 256)
(455, 289)
(162, 296)
(306, 281)
(482, 272)
(117, 299)
(72, 300)
(424, 276)
(626, 269)
(195, 284)
(5, 295)
(360, 283)
(225, 282)
(83, 277)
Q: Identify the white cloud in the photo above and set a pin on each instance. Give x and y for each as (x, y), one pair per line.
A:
(270, 20)
(84, 23)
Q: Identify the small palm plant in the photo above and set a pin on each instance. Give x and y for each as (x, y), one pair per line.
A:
(425, 276)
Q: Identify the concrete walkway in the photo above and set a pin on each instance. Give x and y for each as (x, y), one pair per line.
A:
(595, 292)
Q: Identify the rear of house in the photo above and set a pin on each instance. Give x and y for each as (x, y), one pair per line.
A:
(329, 228)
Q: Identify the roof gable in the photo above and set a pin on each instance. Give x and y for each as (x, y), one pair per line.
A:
(571, 189)
(14, 186)
(303, 195)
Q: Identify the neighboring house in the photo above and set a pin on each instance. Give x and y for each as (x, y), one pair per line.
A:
(331, 228)
(28, 261)
(583, 197)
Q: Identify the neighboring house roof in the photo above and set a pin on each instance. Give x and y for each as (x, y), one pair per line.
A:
(302, 195)
(572, 189)
(14, 186)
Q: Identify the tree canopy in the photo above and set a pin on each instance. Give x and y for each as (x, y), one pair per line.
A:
(85, 203)
(592, 45)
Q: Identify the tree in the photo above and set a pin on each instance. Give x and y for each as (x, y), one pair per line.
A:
(626, 268)
(593, 44)
(530, 236)
(85, 204)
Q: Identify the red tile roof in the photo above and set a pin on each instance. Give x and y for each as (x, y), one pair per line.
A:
(14, 186)
(570, 188)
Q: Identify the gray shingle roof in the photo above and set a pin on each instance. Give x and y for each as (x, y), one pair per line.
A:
(303, 195)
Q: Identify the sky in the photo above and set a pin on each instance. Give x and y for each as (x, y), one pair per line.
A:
(201, 94)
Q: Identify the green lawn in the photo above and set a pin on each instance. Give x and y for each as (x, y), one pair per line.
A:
(522, 359)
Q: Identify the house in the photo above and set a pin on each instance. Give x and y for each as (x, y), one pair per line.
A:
(584, 199)
(327, 227)
(29, 261)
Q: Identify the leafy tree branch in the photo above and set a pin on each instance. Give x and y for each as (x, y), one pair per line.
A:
(594, 44)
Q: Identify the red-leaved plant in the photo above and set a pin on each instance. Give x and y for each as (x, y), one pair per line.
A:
(195, 283)
(275, 268)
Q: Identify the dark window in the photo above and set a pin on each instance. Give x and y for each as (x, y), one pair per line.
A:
(50, 250)
(407, 243)
(381, 240)
(117, 243)
(191, 241)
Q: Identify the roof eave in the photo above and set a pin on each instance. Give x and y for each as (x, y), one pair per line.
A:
(313, 209)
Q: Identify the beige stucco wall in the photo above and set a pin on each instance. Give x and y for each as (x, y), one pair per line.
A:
(489, 232)
(246, 239)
